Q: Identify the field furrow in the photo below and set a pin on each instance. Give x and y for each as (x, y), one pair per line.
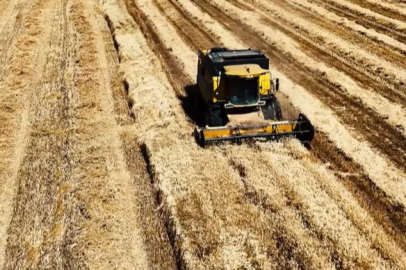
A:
(11, 25)
(100, 167)
(154, 235)
(17, 90)
(327, 93)
(382, 45)
(366, 18)
(83, 200)
(359, 86)
(188, 29)
(193, 226)
(299, 260)
(395, 220)
(45, 168)
(366, 66)
(384, 10)
(369, 195)
(303, 259)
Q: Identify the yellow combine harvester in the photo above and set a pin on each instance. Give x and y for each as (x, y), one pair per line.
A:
(237, 83)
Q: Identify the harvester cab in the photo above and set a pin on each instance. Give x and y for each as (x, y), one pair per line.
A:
(237, 83)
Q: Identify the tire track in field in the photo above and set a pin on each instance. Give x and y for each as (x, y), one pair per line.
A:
(8, 14)
(394, 214)
(155, 237)
(373, 199)
(375, 129)
(241, 5)
(358, 69)
(385, 11)
(105, 211)
(189, 30)
(17, 92)
(38, 216)
(12, 26)
(175, 73)
(286, 246)
(385, 28)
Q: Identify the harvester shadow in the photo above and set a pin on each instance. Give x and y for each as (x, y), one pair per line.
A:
(193, 104)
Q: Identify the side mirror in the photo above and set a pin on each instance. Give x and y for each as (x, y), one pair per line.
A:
(277, 84)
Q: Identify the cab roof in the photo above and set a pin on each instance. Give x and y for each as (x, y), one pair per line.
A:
(215, 59)
(220, 56)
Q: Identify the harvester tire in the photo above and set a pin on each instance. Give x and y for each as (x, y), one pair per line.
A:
(272, 110)
(214, 116)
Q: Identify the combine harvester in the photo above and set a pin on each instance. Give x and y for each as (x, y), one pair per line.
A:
(239, 100)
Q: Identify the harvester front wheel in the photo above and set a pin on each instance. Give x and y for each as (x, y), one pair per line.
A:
(215, 116)
(272, 110)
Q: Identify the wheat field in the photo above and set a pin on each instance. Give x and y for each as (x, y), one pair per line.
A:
(99, 168)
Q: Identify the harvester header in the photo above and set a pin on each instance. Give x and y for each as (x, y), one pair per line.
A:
(301, 129)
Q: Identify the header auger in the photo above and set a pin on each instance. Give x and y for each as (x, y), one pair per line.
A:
(236, 83)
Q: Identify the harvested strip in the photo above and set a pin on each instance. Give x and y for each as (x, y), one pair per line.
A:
(201, 230)
(104, 219)
(313, 250)
(38, 215)
(380, 8)
(398, 224)
(396, 114)
(343, 22)
(374, 200)
(359, 58)
(283, 247)
(325, 212)
(155, 237)
(369, 226)
(364, 18)
(191, 11)
(382, 45)
(381, 171)
(160, 40)
(16, 93)
(398, 23)
(196, 37)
